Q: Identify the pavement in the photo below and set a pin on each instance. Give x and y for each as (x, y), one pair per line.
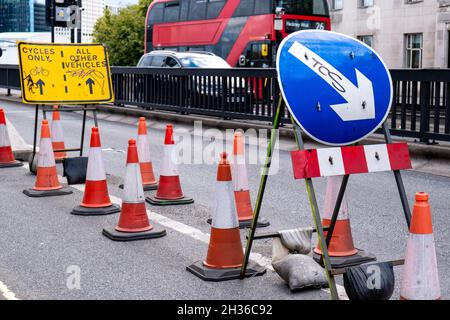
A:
(42, 246)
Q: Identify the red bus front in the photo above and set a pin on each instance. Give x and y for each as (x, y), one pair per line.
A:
(246, 33)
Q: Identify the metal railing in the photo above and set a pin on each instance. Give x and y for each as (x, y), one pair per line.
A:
(420, 108)
(421, 104)
(226, 93)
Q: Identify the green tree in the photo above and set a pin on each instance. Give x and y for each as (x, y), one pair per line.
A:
(123, 33)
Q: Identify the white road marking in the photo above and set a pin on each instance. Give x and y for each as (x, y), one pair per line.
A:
(6, 293)
(185, 229)
(193, 233)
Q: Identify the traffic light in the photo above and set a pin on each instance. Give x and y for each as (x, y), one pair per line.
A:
(63, 13)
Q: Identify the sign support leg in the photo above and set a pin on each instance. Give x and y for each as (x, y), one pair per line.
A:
(262, 187)
(317, 220)
(399, 180)
(83, 128)
(36, 116)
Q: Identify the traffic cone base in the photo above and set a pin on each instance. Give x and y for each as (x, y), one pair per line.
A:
(208, 274)
(262, 223)
(47, 193)
(100, 211)
(360, 257)
(13, 164)
(113, 234)
(159, 202)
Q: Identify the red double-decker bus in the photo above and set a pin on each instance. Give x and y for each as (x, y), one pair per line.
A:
(243, 32)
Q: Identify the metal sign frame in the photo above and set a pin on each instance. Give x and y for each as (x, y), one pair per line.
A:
(84, 108)
(319, 228)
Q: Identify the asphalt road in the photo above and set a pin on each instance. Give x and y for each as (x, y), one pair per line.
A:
(40, 240)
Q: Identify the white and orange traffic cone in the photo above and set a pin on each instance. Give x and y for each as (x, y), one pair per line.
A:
(148, 177)
(96, 197)
(6, 154)
(133, 221)
(420, 279)
(169, 188)
(241, 186)
(341, 250)
(57, 136)
(143, 147)
(47, 183)
(225, 254)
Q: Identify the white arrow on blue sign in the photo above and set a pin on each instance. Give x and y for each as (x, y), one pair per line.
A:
(337, 88)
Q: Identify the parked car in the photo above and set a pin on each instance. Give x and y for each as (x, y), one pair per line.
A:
(189, 59)
(212, 87)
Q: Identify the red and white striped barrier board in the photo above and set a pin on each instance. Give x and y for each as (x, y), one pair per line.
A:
(329, 162)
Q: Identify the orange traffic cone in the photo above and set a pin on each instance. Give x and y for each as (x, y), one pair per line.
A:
(241, 188)
(169, 189)
(47, 183)
(57, 136)
(341, 249)
(133, 221)
(96, 198)
(6, 154)
(143, 147)
(225, 254)
(420, 280)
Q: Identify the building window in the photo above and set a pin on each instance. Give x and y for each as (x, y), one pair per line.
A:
(337, 5)
(412, 1)
(413, 50)
(365, 3)
(366, 39)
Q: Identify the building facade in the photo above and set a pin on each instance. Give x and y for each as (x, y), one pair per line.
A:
(92, 10)
(40, 22)
(16, 16)
(406, 33)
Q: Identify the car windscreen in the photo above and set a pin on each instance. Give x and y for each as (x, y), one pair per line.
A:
(204, 62)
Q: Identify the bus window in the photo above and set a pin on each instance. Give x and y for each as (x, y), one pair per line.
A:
(245, 8)
(214, 8)
(172, 11)
(184, 9)
(263, 7)
(156, 14)
(197, 10)
(305, 7)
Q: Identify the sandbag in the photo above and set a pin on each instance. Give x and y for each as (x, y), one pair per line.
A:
(300, 272)
(297, 240)
(371, 281)
(75, 169)
(290, 261)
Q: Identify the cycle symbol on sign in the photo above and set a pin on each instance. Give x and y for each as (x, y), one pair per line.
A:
(39, 71)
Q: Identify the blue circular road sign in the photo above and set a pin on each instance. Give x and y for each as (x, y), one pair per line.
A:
(337, 88)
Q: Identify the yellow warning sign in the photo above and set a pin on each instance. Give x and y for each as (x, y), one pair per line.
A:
(64, 73)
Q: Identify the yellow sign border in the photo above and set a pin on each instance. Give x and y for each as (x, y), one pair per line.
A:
(95, 101)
